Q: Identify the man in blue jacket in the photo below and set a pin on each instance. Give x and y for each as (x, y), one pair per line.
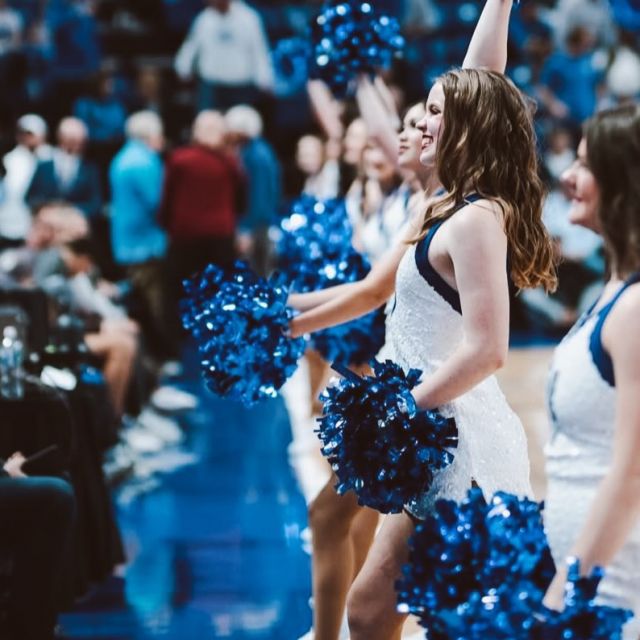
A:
(139, 243)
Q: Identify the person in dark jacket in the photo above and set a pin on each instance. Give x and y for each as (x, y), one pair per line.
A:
(67, 176)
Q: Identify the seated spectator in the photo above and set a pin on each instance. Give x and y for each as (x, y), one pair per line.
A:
(560, 153)
(593, 15)
(112, 336)
(20, 165)
(321, 174)
(623, 75)
(75, 48)
(36, 525)
(104, 115)
(11, 29)
(570, 79)
(67, 176)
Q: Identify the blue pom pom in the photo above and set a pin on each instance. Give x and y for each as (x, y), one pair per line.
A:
(378, 442)
(479, 570)
(581, 618)
(238, 321)
(349, 38)
(315, 252)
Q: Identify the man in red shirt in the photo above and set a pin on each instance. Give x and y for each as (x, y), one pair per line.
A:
(202, 199)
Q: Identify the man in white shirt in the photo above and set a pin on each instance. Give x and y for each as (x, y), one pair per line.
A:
(20, 165)
(227, 50)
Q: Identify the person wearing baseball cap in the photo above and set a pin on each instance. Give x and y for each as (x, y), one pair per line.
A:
(20, 165)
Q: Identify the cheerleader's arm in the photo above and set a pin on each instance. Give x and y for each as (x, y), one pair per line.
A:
(356, 299)
(615, 510)
(488, 46)
(477, 247)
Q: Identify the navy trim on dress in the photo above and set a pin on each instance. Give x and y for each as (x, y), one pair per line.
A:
(444, 289)
(600, 357)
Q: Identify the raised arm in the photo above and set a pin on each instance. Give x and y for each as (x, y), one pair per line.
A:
(382, 122)
(615, 509)
(488, 46)
(326, 109)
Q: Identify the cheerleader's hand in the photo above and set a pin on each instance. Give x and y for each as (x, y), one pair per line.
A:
(554, 598)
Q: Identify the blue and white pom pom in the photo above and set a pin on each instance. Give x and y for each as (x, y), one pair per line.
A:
(349, 39)
(239, 322)
(315, 252)
(477, 570)
(582, 618)
(480, 570)
(379, 444)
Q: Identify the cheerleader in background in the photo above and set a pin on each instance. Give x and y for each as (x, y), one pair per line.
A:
(342, 531)
(337, 552)
(451, 308)
(593, 458)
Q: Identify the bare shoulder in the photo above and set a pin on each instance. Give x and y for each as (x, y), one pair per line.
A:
(482, 218)
(623, 320)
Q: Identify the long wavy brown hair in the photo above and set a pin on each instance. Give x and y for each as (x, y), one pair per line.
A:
(613, 154)
(488, 146)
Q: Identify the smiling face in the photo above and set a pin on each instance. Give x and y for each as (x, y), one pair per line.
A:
(431, 126)
(410, 139)
(581, 187)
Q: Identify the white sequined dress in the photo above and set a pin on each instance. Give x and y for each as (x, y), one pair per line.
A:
(424, 330)
(582, 409)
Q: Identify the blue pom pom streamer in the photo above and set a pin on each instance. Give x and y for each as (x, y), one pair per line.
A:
(238, 321)
(349, 39)
(379, 444)
(315, 252)
(627, 14)
(480, 570)
(581, 618)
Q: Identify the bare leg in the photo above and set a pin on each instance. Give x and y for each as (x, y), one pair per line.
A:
(119, 351)
(372, 599)
(330, 519)
(319, 374)
(363, 531)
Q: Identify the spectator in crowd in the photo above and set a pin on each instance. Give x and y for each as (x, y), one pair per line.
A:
(560, 153)
(139, 243)
(20, 165)
(200, 205)
(321, 174)
(570, 79)
(111, 334)
(104, 115)
(623, 75)
(75, 48)
(264, 182)
(67, 175)
(227, 30)
(36, 523)
(593, 15)
(11, 29)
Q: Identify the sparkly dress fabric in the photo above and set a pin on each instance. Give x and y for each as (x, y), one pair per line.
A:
(424, 330)
(582, 409)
